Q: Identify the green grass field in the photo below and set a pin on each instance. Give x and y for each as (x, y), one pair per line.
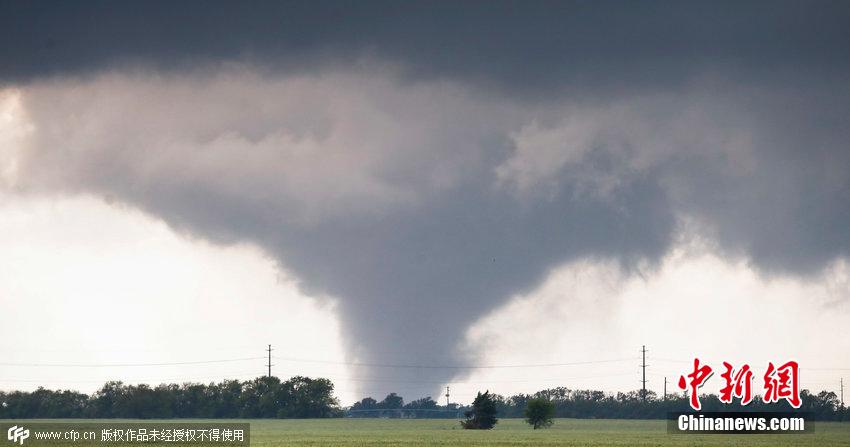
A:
(510, 432)
(565, 432)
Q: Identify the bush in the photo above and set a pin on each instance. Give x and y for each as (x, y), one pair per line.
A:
(483, 413)
(539, 412)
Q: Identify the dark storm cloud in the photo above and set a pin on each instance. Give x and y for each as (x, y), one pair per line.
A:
(790, 213)
(515, 45)
(424, 162)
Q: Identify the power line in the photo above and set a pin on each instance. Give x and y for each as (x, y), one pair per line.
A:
(440, 382)
(87, 349)
(376, 365)
(802, 367)
(383, 365)
(223, 376)
(113, 365)
(344, 378)
(669, 373)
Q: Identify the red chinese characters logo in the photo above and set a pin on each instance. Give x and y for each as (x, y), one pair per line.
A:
(738, 384)
(697, 380)
(781, 382)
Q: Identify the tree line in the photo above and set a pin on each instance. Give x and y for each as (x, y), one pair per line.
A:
(263, 397)
(393, 406)
(304, 397)
(594, 404)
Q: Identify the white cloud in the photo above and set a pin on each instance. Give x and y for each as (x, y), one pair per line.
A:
(695, 304)
(85, 282)
(15, 130)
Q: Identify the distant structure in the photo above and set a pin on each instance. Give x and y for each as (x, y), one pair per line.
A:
(270, 360)
(643, 378)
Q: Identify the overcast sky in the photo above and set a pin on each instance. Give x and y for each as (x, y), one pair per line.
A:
(392, 193)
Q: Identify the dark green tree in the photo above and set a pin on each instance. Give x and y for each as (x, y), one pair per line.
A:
(392, 402)
(425, 403)
(539, 412)
(367, 403)
(482, 416)
(308, 398)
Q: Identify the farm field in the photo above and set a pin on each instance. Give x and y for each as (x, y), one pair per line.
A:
(509, 432)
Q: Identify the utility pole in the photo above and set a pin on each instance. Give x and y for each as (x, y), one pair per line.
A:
(842, 392)
(643, 370)
(270, 360)
(665, 387)
(447, 397)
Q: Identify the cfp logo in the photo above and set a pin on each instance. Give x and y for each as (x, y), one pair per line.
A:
(18, 434)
